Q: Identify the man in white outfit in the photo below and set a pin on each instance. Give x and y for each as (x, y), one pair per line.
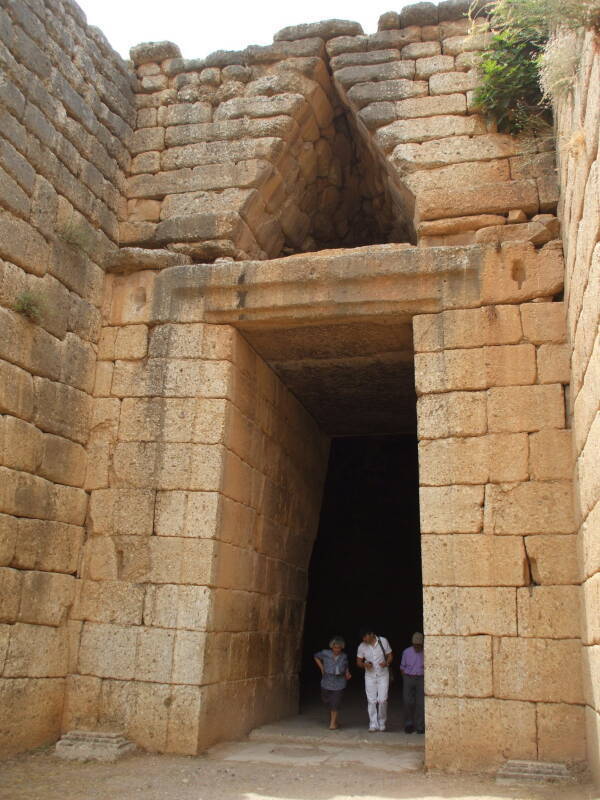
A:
(375, 655)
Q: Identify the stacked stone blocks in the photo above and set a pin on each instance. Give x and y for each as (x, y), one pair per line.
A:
(500, 571)
(66, 115)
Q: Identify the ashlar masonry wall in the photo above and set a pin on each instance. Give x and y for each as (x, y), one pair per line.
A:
(500, 572)
(577, 128)
(66, 115)
(202, 516)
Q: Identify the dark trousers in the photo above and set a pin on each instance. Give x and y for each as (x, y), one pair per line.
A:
(413, 695)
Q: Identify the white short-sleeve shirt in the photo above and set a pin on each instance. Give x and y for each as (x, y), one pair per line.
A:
(372, 653)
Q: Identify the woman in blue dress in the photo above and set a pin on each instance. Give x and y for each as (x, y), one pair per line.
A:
(333, 664)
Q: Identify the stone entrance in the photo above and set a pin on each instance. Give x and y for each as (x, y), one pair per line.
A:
(211, 437)
(181, 338)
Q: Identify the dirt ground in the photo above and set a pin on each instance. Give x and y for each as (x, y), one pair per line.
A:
(42, 776)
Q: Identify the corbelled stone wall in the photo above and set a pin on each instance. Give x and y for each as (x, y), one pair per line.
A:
(205, 497)
(578, 126)
(330, 138)
(66, 116)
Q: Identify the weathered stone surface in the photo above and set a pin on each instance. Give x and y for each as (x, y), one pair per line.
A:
(131, 259)
(451, 509)
(467, 328)
(526, 408)
(485, 199)
(473, 459)
(529, 508)
(548, 611)
(327, 29)
(37, 710)
(364, 73)
(460, 666)
(419, 14)
(467, 611)
(550, 454)
(153, 52)
(451, 414)
(552, 559)
(453, 150)
(474, 733)
(363, 94)
(420, 130)
(559, 732)
(474, 560)
(534, 669)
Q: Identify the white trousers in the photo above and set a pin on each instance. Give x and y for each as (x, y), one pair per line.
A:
(376, 688)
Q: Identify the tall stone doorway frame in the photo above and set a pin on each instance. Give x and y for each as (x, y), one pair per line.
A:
(496, 524)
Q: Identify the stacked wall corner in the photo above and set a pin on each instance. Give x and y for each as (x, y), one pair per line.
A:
(577, 127)
(66, 113)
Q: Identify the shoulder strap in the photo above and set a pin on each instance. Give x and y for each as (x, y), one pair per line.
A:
(382, 650)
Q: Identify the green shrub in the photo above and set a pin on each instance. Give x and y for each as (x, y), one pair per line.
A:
(29, 305)
(523, 45)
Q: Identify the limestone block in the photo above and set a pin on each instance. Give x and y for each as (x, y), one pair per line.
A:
(326, 29)
(353, 59)
(131, 342)
(237, 522)
(450, 370)
(529, 508)
(184, 114)
(363, 94)
(11, 581)
(481, 199)
(183, 726)
(154, 656)
(36, 651)
(589, 544)
(451, 509)
(8, 536)
(70, 504)
(478, 734)
(145, 139)
(181, 607)
(476, 327)
(458, 666)
(375, 115)
(454, 45)
(453, 150)
(550, 454)
(103, 379)
(108, 601)
(346, 44)
(47, 546)
(47, 598)
(364, 73)
(234, 610)
(165, 559)
(525, 408)
(37, 705)
(23, 245)
(591, 670)
(247, 173)
(544, 322)
(62, 410)
(426, 67)
(188, 657)
(510, 365)
(192, 341)
(157, 419)
(467, 611)
(590, 601)
(554, 363)
(450, 82)
(171, 377)
(473, 459)
(539, 670)
(451, 414)
(21, 494)
(108, 651)
(560, 728)
(397, 39)
(552, 559)
(144, 163)
(426, 128)
(473, 560)
(191, 514)
(548, 611)
(169, 465)
(193, 155)
(16, 391)
(21, 444)
(124, 511)
(62, 461)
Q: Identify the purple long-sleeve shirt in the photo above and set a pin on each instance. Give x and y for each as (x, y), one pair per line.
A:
(412, 662)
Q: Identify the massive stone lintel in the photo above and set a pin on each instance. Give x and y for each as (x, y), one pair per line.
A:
(376, 281)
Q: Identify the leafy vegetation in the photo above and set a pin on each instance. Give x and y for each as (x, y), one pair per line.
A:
(525, 43)
(29, 305)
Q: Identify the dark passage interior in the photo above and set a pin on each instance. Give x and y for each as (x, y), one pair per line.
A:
(366, 563)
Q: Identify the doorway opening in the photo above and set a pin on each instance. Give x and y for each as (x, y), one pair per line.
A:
(365, 567)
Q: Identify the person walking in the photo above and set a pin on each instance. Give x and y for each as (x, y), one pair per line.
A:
(374, 656)
(412, 667)
(333, 664)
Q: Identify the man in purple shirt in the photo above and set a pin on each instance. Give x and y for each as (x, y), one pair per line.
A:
(413, 694)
